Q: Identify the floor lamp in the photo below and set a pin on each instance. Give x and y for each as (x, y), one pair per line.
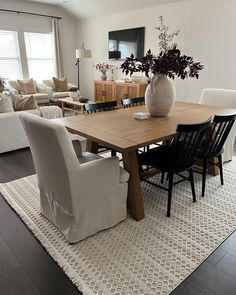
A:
(81, 53)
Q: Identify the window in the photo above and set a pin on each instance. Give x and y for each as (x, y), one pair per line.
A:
(34, 59)
(40, 56)
(10, 62)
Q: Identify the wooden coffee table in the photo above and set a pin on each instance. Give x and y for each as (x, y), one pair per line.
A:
(78, 107)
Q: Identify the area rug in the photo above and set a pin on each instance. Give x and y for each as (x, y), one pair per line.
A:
(148, 257)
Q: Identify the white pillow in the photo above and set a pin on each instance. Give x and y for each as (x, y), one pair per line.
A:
(6, 105)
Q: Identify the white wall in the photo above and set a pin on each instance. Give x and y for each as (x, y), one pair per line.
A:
(207, 33)
(41, 24)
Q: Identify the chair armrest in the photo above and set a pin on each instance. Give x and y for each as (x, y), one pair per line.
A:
(77, 147)
(103, 173)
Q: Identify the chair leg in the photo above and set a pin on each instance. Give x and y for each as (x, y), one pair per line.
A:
(221, 169)
(204, 172)
(162, 176)
(140, 168)
(167, 176)
(170, 186)
(113, 153)
(192, 184)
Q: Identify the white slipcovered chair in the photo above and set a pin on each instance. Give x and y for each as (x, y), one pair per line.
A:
(225, 98)
(42, 96)
(81, 193)
(56, 95)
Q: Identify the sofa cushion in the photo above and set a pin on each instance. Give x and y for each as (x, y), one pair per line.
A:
(38, 95)
(24, 103)
(60, 85)
(60, 94)
(27, 87)
(6, 105)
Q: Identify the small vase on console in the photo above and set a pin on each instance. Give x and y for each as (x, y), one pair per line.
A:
(104, 76)
(103, 68)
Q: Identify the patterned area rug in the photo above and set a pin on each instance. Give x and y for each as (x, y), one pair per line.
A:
(148, 257)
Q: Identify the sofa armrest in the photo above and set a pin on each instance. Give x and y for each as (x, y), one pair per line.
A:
(13, 90)
(41, 88)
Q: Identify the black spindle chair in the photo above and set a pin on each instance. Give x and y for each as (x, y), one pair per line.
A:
(101, 107)
(176, 157)
(212, 145)
(132, 102)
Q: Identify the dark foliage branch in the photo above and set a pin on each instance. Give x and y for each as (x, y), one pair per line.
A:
(170, 63)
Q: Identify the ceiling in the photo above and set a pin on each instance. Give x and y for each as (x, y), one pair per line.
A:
(83, 9)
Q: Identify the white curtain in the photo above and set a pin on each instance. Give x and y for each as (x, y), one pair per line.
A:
(57, 46)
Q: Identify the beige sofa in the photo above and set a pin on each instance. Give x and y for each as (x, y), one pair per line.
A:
(42, 96)
(54, 96)
(12, 135)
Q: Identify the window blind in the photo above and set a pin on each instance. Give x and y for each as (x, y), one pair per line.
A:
(40, 55)
(10, 62)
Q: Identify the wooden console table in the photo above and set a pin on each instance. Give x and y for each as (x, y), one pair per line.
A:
(110, 90)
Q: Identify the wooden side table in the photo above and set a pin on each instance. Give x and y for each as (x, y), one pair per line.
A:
(77, 106)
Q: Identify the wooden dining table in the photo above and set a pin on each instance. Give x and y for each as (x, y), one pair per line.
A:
(119, 131)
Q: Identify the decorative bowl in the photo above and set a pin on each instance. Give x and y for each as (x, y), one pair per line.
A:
(83, 100)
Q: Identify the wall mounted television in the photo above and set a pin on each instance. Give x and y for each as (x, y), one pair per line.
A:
(124, 42)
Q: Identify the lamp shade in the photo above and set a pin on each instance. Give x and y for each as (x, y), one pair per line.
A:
(83, 53)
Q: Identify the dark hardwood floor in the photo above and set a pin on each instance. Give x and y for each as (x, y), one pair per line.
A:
(26, 268)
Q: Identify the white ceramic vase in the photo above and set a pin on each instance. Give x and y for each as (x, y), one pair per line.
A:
(104, 76)
(74, 95)
(160, 96)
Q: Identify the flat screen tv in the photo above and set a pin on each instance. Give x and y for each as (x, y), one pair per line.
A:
(124, 42)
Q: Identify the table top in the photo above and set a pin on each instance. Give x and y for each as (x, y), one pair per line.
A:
(73, 102)
(118, 129)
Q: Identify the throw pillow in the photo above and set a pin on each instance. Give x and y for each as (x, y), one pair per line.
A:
(27, 87)
(6, 105)
(60, 85)
(24, 103)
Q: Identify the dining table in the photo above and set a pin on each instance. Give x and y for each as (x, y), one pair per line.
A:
(120, 131)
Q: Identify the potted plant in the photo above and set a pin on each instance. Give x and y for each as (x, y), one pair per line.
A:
(103, 68)
(169, 64)
(73, 93)
(2, 84)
